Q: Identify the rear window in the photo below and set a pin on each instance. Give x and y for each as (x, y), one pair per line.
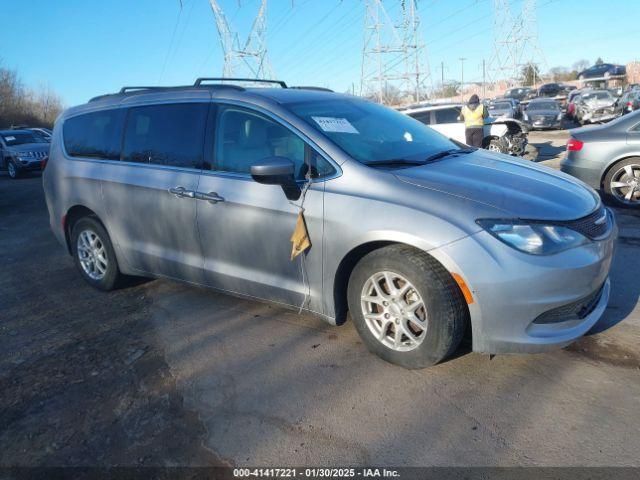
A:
(94, 135)
(500, 106)
(166, 135)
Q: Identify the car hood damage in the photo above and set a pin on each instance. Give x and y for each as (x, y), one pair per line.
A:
(518, 188)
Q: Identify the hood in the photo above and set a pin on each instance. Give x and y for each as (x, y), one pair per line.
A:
(517, 187)
(30, 147)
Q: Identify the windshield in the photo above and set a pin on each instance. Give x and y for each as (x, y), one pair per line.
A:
(371, 133)
(20, 138)
(500, 106)
(543, 106)
(596, 96)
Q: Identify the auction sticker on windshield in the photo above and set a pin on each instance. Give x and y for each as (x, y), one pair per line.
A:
(333, 124)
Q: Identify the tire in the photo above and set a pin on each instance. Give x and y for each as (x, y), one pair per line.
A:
(443, 306)
(105, 274)
(13, 170)
(619, 175)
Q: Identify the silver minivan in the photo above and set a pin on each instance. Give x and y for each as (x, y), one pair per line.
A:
(417, 238)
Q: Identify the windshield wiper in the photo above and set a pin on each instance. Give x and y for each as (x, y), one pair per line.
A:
(395, 162)
(448, 153)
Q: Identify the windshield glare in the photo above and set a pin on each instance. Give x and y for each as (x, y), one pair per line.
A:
(371, 133)
(19, 138)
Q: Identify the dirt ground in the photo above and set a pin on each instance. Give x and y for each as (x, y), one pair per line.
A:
(161, 373)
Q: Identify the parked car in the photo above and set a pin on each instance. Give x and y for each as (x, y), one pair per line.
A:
(21, 151)
(504, 108)
(543, 113)
(607, 157)
(572, 99)
(518, 93)
(628, 102)
(595, 106)
(556, 91)
(500, 135)
(413, 235)
(604, 70)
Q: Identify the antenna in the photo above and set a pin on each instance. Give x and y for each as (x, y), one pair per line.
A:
(251, 59)
(391, 55)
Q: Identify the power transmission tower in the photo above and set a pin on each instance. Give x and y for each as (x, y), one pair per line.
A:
(392, 66)
(249, 59)
(515, 41)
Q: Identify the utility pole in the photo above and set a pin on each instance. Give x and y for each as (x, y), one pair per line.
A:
(484, 80)
(462, 59)
(442, 68)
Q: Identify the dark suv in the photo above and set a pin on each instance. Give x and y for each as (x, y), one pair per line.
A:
(21, 151)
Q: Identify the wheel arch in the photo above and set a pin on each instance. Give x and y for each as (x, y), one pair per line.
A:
(353, 256)
(613, 163)
(74, 214)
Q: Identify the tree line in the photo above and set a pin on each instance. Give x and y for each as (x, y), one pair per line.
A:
(21, 106)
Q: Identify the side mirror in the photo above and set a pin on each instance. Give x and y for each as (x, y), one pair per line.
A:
(277, 171)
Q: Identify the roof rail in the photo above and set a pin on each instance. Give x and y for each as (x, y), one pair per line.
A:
(129, 89)
(320, 89)
(200, 80)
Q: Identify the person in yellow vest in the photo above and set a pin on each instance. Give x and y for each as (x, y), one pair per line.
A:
(473, 114)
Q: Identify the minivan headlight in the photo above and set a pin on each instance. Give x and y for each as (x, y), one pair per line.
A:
(533, 238)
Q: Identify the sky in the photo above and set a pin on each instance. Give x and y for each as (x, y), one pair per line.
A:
(83, 48)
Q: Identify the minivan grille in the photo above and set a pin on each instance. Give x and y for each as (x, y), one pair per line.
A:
(593, 226)
(577, 310)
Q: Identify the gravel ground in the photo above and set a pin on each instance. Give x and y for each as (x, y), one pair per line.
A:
(160, 373)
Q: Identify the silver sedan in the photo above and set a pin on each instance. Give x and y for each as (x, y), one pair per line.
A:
(607, 157)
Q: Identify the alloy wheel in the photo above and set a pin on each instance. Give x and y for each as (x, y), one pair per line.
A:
(92, 254)
(625, 184)
(11, 168)
(394, 311)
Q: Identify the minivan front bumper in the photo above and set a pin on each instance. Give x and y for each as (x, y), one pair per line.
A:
(519, 299)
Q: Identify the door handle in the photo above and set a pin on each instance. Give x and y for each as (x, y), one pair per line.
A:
(211, 197)
(181, 192)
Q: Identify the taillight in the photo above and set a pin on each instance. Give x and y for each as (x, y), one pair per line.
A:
(630, 104)
(574, 145)
(43, 163)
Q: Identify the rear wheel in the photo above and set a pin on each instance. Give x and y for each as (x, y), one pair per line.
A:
(94, 255)
(406, 307)
(622, 183)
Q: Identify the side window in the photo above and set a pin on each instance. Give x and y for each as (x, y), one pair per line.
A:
(447, 115)
(245, 137)
(319, 166)
(170, 135)
(424, 117)
(94, 135)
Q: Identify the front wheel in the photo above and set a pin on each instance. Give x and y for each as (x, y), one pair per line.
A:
(94, 255)
(12, 170)
(495, 145)
(406, 307)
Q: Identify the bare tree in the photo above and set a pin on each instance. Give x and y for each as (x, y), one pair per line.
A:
(580, 65)
(20, 106)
